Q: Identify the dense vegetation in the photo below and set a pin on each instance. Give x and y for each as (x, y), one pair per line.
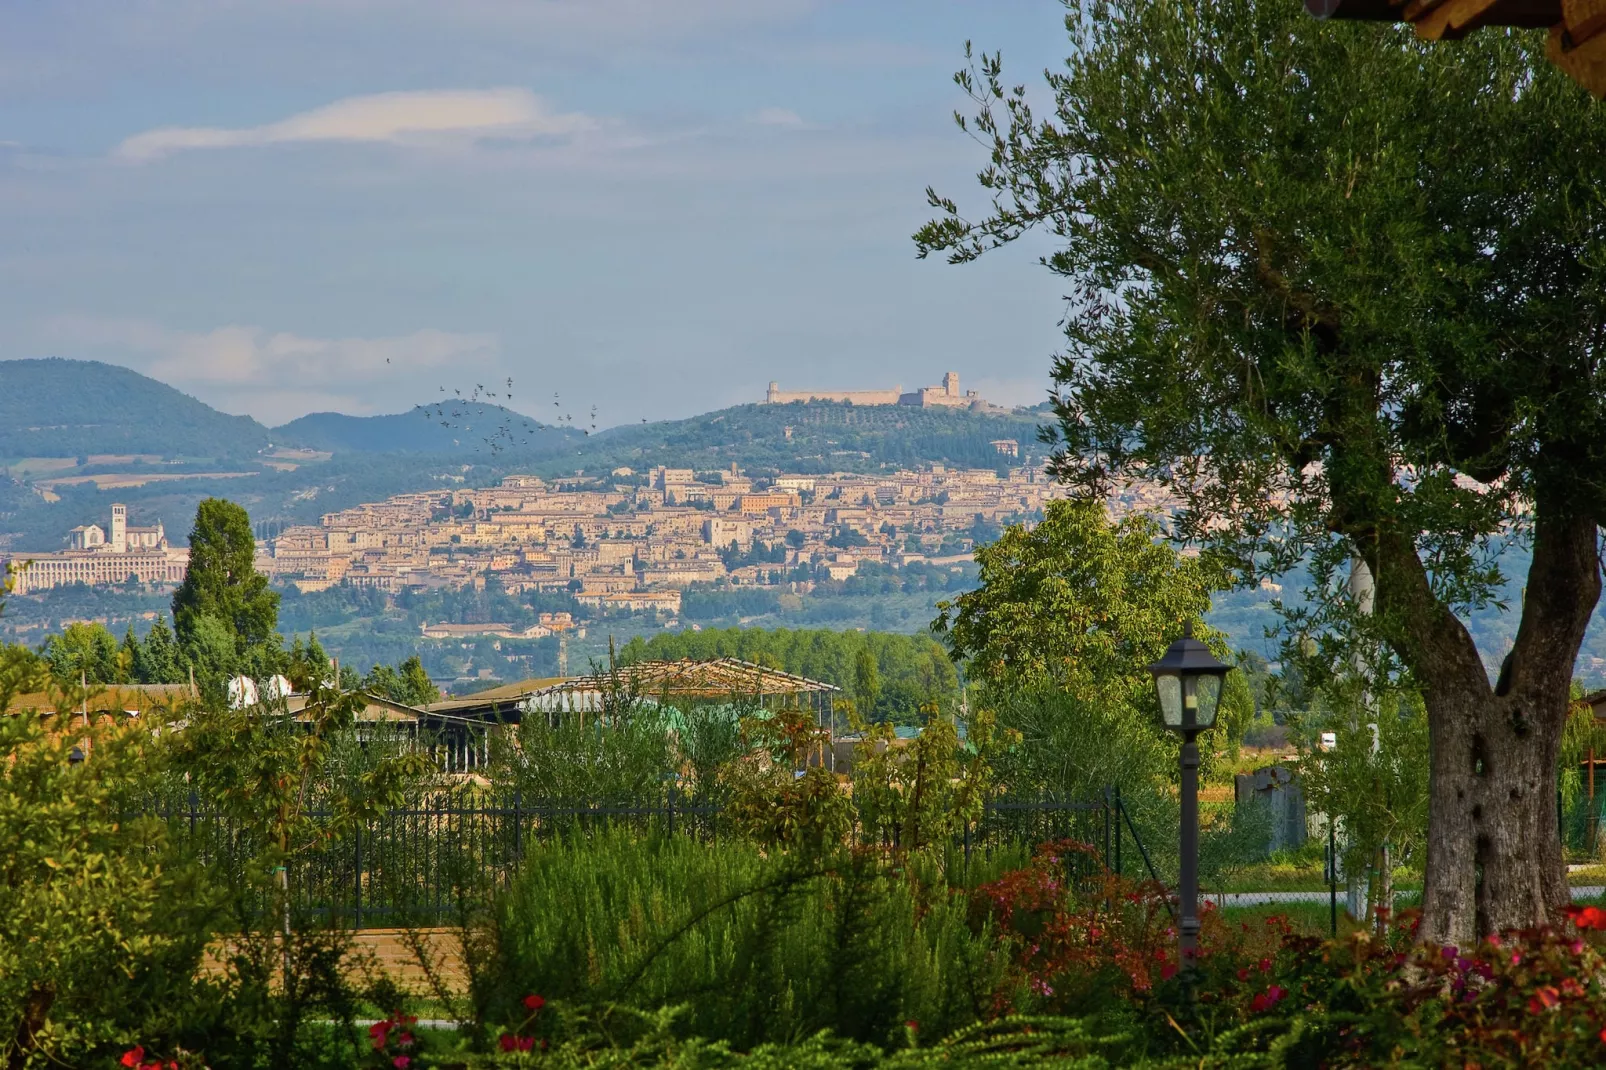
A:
(67, 408)
(886, 676)
(424, 429)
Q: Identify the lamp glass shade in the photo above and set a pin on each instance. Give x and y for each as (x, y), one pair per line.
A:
(1169, 685)
(1205, 699)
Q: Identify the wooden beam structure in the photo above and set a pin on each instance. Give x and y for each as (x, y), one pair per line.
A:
(1577, 42)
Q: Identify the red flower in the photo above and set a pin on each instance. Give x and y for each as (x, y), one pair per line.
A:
(508, 1042)
(1267, 999)
(405, 1040)
(1243, 975)
(912, 1025)
(1543, 999)
(1168, 971)
(1265, 965)
(534, 1002)
(400, 1062)
(1588, 917)
(1603, 1036)
(133, 1056)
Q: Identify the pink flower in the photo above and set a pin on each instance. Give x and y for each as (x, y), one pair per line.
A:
(1267, 999)
(400, 1062)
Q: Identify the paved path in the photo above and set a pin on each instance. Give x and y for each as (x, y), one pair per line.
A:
(1260, 899)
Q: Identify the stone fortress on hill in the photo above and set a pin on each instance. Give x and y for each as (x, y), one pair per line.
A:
(948, 395)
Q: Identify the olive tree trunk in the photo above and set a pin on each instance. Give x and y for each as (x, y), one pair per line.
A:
(1494, 859)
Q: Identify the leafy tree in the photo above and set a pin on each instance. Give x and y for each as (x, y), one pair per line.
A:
(128, 652)
(1340, 293)
(21, 670)
(223, 586)
(407, 683)
(866, 681)
(308, 665)
(156, 660)
(1078, 602)
(1371, 781)
(83, 651)
(101, 926)
(214, 656)
(291, 787)
(417, 689)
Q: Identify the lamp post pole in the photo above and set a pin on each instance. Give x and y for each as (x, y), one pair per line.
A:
(1188, 890)
(1188, 681)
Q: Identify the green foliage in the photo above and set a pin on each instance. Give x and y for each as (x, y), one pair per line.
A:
(626, 756)
(1076, 601)
(156, 659)
(866, 681)
(63, 408)
(758, 948)
(101, 926)
(86, 652)
(1378, 798)
(908, 669)
(927, 792)
(223, 596)
(779, 792)
(406, 683)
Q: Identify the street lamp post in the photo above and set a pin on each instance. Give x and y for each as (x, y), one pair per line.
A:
(1188, 679)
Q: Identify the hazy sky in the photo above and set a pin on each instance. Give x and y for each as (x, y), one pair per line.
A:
(650, 206)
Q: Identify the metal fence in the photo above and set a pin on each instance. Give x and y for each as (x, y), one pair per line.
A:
(431, 860)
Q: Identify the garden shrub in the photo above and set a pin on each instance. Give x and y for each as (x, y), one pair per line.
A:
(761, 947)
(101, 925)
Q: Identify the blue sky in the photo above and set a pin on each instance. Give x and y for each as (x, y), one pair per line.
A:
(650, 206)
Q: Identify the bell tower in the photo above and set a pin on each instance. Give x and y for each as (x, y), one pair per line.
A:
(119, 529)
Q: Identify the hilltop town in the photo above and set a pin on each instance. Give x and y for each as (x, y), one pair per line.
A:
(634, 541)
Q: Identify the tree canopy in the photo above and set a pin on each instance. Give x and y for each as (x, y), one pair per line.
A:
(1341, 293)
(224, 601)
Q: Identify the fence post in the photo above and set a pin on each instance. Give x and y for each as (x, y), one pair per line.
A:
(671, 807)
(1115, 819)
(518, 828)
(357, 878)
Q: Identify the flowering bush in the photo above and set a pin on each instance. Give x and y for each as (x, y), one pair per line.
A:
(394, 1042)
(1086, 940)
(1104, 949)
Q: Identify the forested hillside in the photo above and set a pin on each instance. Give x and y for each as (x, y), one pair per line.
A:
(423, 430)
(73, 408)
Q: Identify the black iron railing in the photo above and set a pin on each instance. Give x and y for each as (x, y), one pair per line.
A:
(430, 859)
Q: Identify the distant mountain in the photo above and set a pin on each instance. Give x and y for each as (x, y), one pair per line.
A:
(421, 431)
(70, 408)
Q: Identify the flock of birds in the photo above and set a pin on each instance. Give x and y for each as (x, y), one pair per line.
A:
(456, 411)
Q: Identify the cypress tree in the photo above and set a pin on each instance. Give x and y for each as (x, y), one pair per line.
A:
(223, 585)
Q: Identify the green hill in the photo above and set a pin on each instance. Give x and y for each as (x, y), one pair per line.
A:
(424, 429)
(815, 437)
(71, 408)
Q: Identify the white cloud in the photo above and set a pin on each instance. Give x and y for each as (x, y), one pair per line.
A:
(277, 376)
(432, 117)
(778, 117)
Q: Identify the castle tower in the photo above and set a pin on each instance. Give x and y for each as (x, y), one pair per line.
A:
(769, 395)
(119, 529)
(950, 384)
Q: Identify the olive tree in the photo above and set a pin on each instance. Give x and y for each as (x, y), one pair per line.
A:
(1343, 294)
